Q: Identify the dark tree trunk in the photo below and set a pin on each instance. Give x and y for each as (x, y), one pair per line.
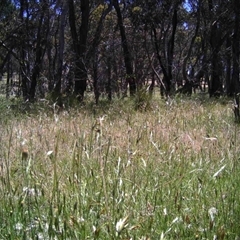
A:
(229, 83)
(130, 79)
(109, 76)
(95, 78)
(81, 71)
(152, 85)
(24, 66)
(80, 79)
(58, 75)
(8, 79)
(51, 65)
(166, 61)
(185, 60)
(40, 50)
(97, 35)
(93, 52)
(216, 88)
(36, 71)
(216, 41)
(165, 85)
(79, 45)
(236, 53)
(171, 42)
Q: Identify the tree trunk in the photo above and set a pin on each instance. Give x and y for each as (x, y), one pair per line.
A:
(166, 62)
(171, 45)
(185, 60)
(8, 79)
(109, 77)
(93, 52)
(58, 75)
(24, 66)
(235, 52)
(95, 78)
(165, 84)
(229, 83)
(79, 45)
(130, 79)
(215, 88)
(40, 50)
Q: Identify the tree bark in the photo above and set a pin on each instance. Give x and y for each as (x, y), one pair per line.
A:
(229, 82)
(58, 75)
(236, 54)
(166, 61)
(171, 44)
(186, 58)
(79, 45)
(24, 67)
(93, 53)
(216, 41)
(130, 79)
(40, 50)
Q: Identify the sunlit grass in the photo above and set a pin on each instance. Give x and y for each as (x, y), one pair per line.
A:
(110, 172)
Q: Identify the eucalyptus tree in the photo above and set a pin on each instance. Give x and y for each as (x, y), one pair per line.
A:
(6, 45)
(130, 79)
(34, 16)
(215, 43)
(141, 47)
(160, 21)
(99, 13)
(62, 8)
(35, 41)
(194, 12)
(231, 53)
(210, 50)
(86, 38)
(112, 66)
(236, 55)
(79, 40)
(25, 42)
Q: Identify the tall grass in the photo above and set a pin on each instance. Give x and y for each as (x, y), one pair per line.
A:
(110, 172)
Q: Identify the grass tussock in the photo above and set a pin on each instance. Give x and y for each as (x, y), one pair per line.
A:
(110, 172)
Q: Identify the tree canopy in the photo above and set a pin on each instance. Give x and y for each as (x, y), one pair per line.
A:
(107, 47)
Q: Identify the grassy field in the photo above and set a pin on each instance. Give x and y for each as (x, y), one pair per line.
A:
(111, 172)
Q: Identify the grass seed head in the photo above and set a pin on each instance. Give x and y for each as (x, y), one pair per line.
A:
(121, 224)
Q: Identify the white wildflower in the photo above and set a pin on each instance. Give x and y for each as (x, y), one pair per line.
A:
(19, 226)
(81, 219)
(212, 212)
(31, 191)
(121, 224)
(40, 236)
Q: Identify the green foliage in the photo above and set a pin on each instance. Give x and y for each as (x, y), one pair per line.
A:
(142, 99)
(6, 8)
(137, 10)
(97, 12)
(9, 108)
